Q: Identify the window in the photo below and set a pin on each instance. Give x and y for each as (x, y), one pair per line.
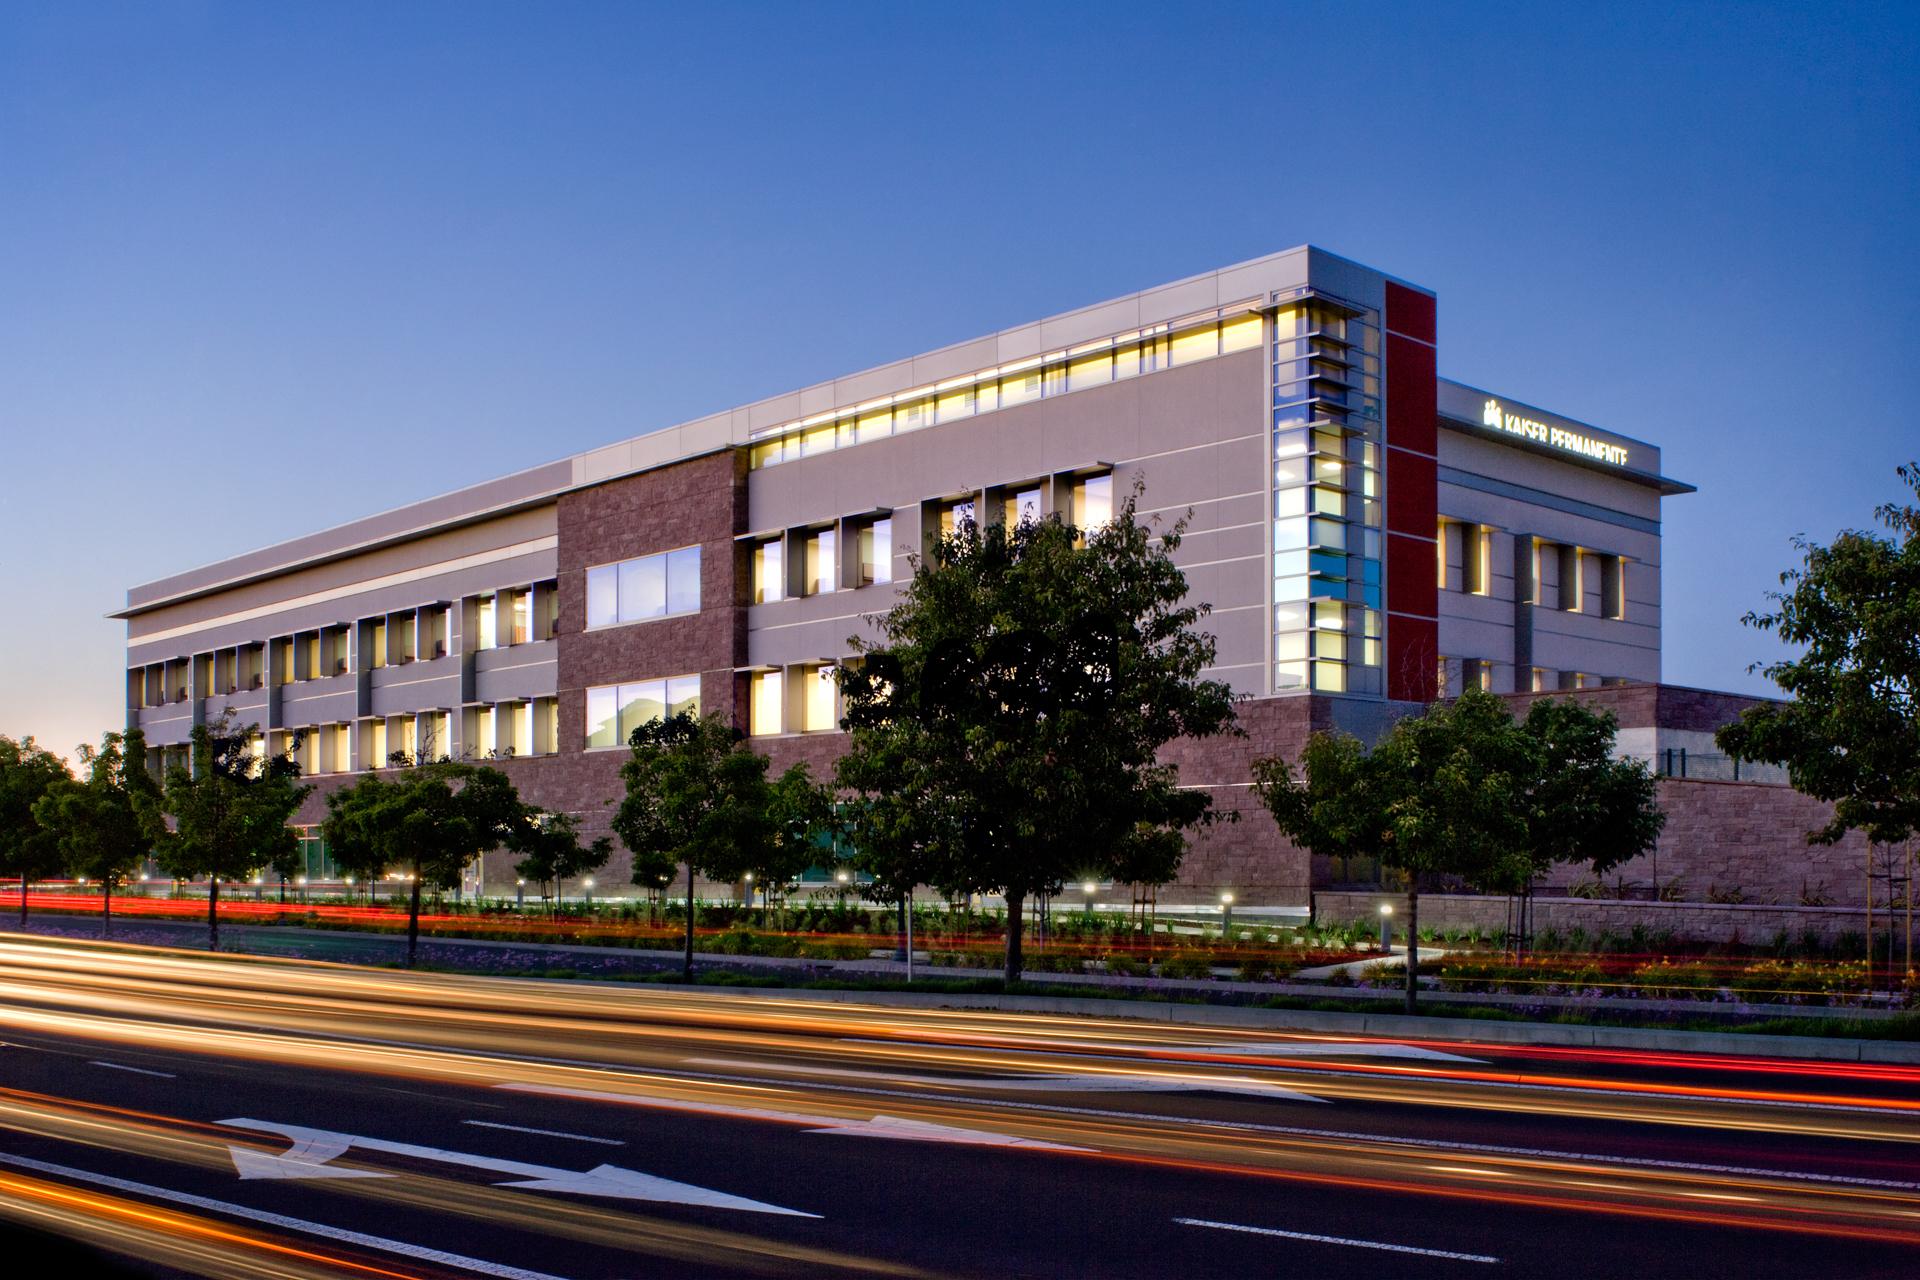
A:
(817, 709)
(874, 546)
(377, 644)
(645, 587)
(486, 636)
(953, 515)
(766, 691)
(1613, 595)
(615, 711)
(769, 571)
(522, 617)
(1023, 504)
(819, 563)
(1092, 502)
(683, 580)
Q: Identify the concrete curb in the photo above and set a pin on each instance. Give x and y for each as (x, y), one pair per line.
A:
(1396, 1026)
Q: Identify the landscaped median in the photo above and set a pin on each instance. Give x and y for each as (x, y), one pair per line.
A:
(1112, 961)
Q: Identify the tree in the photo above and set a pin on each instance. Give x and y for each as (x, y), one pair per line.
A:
(107, 825)
(1442, 794)
(1851, 733)
(230, 810)
(28, 848)
(1005, 730)
(428, 821)
(800, 813)
(1584, 805)
(696, 796)
(1462, 791)
(551, 852)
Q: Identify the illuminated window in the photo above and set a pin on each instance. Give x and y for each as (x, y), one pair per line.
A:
(1091, 370)
(1241, 332)
(377, 644)
(954, 515)
(1020, 387)
(766, 692)
(683, 696)
(522, 617)
(769, 571)
(1196, 344)
(1092, 502)
(486, 616)
(818, 709)
(819, 565)
(1021, 505)
(875, 549)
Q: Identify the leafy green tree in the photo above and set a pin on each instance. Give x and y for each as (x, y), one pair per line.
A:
(230, 811)
(1851, 733)
(427, 821)
(1442, 794)
(107, 825)
(802, 823)
(1462, 791)
(696, 796)
(1005, 730)
(1584, 806)
(28, 848)
(550, 850)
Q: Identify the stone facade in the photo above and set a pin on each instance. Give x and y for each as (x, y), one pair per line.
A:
(1683, 921)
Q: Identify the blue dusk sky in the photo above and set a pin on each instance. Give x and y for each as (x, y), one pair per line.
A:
(267, 267)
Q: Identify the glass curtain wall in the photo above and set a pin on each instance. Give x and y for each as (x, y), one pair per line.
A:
(1327, 497)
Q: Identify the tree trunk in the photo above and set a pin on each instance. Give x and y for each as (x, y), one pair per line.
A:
(1413, 944)
(23, 899)
(413, 922)
(106, 907)
(688, 967)
(1016, 908)
(213, 913)
(903, 927)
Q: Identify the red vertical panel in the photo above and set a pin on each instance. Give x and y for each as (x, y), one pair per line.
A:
(1413, 658)
(1413, 397)
(1412, 428)
(1411, 312)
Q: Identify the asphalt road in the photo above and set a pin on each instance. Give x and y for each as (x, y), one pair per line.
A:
(246, 1117)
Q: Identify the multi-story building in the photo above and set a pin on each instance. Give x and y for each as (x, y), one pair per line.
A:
(1366, 533)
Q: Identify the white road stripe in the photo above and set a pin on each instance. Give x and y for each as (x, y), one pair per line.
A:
(545, 1133)
(421, 1253)
(139, 1071)
(1341, 1240)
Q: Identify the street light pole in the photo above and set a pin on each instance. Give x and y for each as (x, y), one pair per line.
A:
(1386, 927)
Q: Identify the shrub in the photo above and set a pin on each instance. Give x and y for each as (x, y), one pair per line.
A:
(1256, 968)
(1186, 964)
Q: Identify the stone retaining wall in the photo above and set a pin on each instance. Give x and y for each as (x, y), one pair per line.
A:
(1690, 921)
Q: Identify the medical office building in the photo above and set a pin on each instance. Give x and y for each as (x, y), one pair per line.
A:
(1367, 533)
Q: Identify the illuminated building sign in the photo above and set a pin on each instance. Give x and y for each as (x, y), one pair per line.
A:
(1494, 415)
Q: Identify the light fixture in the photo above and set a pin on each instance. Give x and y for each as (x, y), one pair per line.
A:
(1226, 899)
(1386, 908)
(589, 882)
(1088, 888)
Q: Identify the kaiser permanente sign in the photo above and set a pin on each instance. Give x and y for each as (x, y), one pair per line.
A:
(1470, 405)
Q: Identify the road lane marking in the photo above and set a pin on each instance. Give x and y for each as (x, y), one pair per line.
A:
(1340, 1240)
(545, 1133)
(417, 1252)
(1112, 1082)
(139, 1071)
(602, 1180)
(840, 1126)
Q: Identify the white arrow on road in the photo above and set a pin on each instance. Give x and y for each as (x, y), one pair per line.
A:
(312, 1148)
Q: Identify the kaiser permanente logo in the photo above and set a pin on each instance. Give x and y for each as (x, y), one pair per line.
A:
(1493, 415)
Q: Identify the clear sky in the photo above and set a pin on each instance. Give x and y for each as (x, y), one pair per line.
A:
(264, 268)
